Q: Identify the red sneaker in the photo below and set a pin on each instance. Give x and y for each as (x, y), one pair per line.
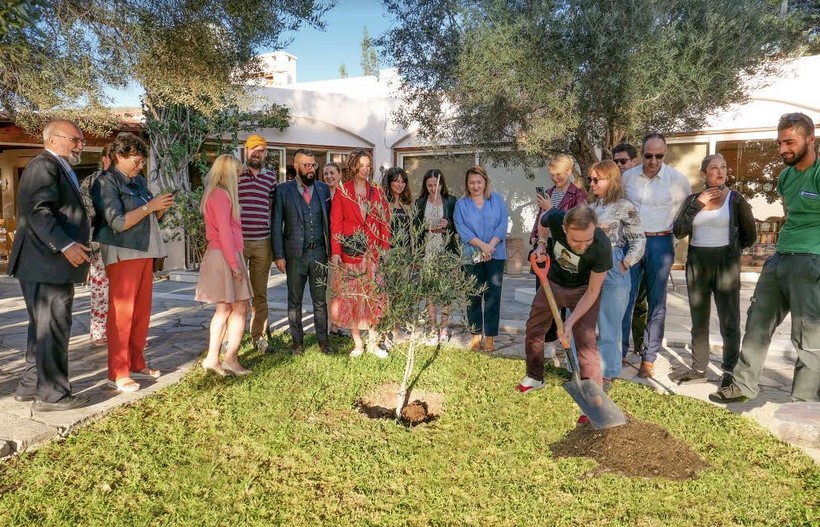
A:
(583, 419)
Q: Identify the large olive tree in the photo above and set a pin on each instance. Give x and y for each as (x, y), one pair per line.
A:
(578, 75)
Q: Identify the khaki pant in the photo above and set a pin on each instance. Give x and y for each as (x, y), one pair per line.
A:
(259, 255)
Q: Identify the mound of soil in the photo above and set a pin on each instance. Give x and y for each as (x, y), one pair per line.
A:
(421, 406)
(636, 449)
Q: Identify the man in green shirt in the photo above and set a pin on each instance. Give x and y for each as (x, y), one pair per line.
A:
(790, 279)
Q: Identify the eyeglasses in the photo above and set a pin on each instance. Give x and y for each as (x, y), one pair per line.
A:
(595, 180)
(656, 156)
(77, 140)
(138, 161)
(621, 160)
(314, 166)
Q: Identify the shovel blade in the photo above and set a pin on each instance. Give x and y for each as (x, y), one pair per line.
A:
(595, 404)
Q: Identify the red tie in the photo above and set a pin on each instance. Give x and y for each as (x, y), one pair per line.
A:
(306, 194)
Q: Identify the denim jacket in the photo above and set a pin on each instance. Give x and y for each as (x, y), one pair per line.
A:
(114, 194)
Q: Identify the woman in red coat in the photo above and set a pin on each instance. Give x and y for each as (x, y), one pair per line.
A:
(360, 231)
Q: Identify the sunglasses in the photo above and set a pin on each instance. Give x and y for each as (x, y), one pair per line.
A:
(622, 160)
(595, 180)
(656, 156)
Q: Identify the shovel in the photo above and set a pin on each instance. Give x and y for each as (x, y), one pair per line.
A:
(601, 411)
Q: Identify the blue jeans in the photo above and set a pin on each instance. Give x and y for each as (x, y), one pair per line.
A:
(614, 299)
(655, 264)
(485, 321)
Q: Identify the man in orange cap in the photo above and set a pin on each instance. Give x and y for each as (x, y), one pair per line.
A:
(257, 186)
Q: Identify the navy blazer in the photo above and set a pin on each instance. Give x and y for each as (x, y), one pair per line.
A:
(50, 216)
(288, 224)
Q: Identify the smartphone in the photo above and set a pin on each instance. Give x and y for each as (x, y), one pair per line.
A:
(540, 192)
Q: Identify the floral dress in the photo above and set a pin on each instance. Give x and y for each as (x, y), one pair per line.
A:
(97, 278)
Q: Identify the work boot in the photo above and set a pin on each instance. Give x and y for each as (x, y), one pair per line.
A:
(646, 370)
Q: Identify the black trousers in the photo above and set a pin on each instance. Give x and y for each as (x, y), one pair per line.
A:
(310, 269)
(710, 271)
(49, 328)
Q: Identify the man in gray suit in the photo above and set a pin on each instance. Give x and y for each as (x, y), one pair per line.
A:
(300, 234)
(49, 256)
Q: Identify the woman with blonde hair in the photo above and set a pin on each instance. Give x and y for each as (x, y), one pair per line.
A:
(481, 222)
(223, 278)
(619, 219)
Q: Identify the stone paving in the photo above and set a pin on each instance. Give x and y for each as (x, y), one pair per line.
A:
(178, 336)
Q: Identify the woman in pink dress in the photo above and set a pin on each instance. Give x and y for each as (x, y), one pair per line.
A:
(223, 278)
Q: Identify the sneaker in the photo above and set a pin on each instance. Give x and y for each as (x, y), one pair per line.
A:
(726, 379)
(582, 420)
(729, 394)
(378, 352)
(387, 342)
(689, 377)
(357, 352)
(529, 384)
(262, 345)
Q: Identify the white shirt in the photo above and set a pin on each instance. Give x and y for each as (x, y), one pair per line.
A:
(658, 199)
(710, 228)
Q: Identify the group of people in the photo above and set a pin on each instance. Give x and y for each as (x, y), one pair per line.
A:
(610, 248)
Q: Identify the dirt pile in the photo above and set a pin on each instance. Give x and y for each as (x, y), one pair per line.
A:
(636, 449)
(421, 406)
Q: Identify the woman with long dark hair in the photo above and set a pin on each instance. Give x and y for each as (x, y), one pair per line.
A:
(435, 210)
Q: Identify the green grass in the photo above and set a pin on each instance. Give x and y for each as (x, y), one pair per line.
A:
(287, 447)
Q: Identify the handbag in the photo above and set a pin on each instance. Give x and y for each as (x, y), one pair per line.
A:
(353, 247)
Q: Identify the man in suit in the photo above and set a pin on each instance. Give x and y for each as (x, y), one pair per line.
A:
(300, 234)
(49, 256)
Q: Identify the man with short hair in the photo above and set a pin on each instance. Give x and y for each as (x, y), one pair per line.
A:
(658, 191)
(301, 246)
(790, 279)
(626, 156)
(580, 256)
(257, 187)
(50, 255)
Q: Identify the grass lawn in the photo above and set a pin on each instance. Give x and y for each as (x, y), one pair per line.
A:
(287, 447)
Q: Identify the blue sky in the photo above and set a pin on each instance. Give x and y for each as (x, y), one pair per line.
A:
(319, 53)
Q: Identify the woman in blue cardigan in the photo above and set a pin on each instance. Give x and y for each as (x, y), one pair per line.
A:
(481, 219)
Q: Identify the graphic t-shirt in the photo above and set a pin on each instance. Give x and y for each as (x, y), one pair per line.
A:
(567, 268)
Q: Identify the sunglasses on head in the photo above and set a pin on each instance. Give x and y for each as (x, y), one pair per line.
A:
(656, 156)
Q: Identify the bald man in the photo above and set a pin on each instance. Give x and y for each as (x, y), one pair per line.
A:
(49, 256)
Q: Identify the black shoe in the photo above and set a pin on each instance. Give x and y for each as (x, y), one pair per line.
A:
(296, 348)
(730, 394)
(690, 377)
(23, 398)
(326, 348)
(725, 380)
(69, 402)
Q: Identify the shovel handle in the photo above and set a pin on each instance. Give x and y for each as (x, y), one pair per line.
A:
(541, 273)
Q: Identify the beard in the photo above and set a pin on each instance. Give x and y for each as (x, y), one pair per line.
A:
(255, 163)
(74, 159)
(797, 156)
(307, 179)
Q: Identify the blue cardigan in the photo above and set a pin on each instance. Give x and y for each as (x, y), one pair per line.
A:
(485, 223)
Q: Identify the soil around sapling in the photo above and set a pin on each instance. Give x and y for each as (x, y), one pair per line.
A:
(637, 449)
(421, 407)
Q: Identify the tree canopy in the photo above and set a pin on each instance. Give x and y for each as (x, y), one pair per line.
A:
(578, 75)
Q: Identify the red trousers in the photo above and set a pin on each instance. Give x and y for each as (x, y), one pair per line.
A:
(130, 285)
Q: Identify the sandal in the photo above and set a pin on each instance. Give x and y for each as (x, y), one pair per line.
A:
(124, 385)
(145, 373)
